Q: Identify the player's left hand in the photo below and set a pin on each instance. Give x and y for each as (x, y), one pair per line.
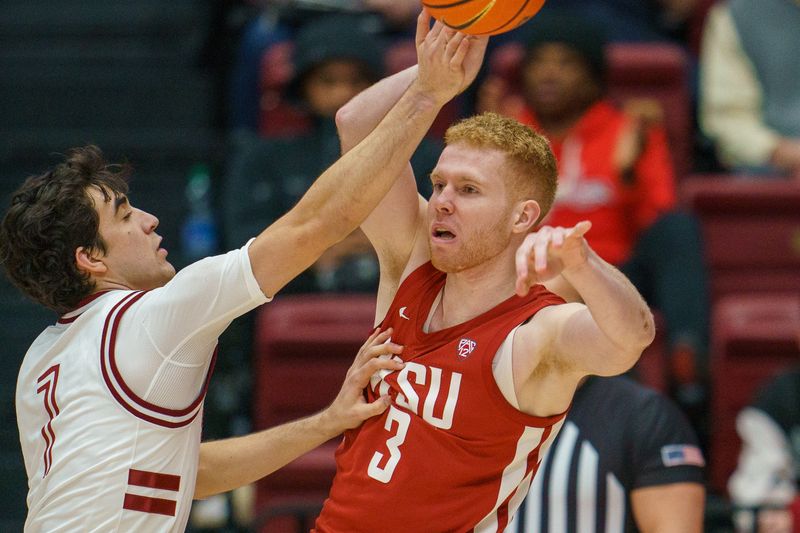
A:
(350, 408)
(548, 252)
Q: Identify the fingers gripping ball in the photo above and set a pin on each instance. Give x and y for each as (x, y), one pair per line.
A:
(483, 17)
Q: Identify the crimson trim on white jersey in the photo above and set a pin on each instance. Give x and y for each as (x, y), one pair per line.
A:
(71, 316)
(152, 480)
(47, 385)
(170, 418)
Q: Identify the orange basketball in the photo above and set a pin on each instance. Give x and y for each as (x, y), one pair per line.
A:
(483, 17)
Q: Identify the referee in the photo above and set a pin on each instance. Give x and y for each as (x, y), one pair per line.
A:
(625, 461)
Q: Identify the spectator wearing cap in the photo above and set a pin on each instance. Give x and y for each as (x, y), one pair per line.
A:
(615, 170)
(334, 59)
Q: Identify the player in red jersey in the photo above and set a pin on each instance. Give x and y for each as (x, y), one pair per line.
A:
(110, 399)
(492, 357)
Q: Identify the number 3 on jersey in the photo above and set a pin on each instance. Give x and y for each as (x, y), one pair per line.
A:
(384, 473)
(46, 384)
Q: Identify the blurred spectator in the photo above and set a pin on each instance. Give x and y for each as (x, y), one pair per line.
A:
(626, 460)
(763, 489)
(615, 170)
(280, 20)
(750, 98)
(334, 60)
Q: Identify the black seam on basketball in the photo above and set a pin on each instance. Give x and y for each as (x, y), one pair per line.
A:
(445, 6)
(509, 21)
(473, 20)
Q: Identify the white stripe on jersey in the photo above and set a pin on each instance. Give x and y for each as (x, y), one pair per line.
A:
(559, 479)
(515, 473)
(615, 504)
(587, 487)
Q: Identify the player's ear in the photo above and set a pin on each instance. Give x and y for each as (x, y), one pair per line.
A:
(525, 215)
(89, 261)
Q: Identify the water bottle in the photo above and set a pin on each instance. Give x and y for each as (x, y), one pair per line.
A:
(199, 231)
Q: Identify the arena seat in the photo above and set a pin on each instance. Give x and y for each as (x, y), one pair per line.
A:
(636, 70)
(751, 228)
(753, 338)
(303, 348)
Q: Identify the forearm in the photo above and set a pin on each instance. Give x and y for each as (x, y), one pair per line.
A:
(339, 201)
(231, 463)
(364, 112)
(614, 303)
(364, 174)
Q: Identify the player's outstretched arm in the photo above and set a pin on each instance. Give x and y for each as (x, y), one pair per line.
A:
(342, 197)
(607, 333)
(231, 463)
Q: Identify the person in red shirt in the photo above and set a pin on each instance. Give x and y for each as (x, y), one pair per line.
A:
(615, 170)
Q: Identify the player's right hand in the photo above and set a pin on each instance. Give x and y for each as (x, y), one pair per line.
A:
(350, 408)
(448, 60)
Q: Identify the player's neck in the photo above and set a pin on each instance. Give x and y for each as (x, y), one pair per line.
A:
(102, 284)
(472, 292)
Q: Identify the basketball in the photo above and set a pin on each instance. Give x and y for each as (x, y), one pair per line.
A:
(483, 17)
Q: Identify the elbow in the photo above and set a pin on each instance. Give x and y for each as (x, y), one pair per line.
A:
(647, 329)
(631, 349)
(346, 119)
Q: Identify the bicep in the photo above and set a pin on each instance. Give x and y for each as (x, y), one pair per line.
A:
(673, 508)
(579, 343)
(393, 226)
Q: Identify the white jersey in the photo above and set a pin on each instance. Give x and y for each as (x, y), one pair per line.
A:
(109, 400)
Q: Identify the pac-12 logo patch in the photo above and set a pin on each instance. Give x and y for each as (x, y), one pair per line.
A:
(465, 347)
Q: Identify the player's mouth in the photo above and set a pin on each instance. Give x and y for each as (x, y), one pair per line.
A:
(442, 234)
(161, 251)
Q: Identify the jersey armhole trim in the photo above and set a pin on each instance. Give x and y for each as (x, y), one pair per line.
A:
(170, 418)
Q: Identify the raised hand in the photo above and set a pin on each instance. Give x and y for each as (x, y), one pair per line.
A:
(350, 408)
(545, 254)
(448, 60)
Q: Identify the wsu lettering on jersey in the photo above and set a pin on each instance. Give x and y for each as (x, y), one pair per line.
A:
(430, 380)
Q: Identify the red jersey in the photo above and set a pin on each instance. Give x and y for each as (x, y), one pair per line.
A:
(590, 187)
(450, 454)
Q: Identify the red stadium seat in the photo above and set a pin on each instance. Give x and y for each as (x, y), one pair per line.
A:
(303, 348)
(751, 229)
(754, 337)
(636, 70)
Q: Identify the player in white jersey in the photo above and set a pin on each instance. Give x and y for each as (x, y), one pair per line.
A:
(110, 398)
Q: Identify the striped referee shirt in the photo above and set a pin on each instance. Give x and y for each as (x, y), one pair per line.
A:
(619, 436)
